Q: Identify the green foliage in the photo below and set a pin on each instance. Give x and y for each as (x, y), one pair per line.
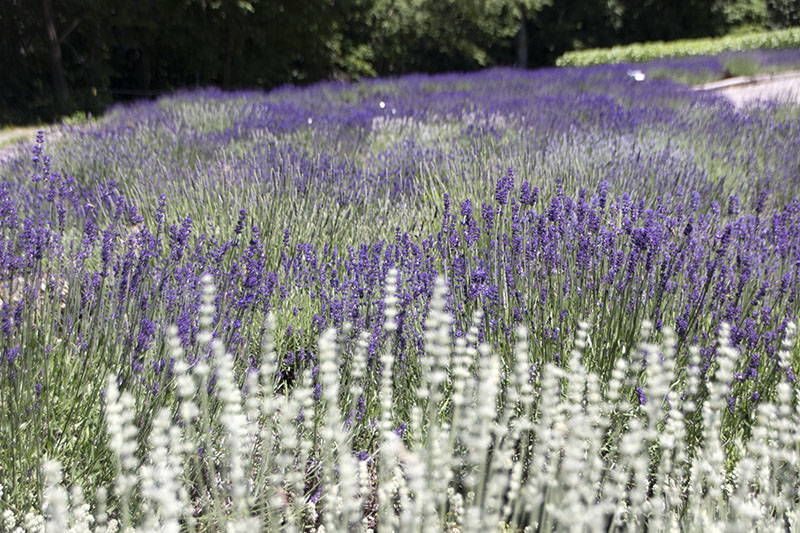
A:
(783, 13)
(658, 21)
(434, 35)
(78, 118)
(744, 13)
(640, 52)
(118, 49)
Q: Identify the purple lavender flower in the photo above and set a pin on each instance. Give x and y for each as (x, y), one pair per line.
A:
(640, 396)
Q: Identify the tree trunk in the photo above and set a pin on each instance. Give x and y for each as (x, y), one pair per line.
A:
(522, 40)
(54, 50)
(227, 62)
(144, 72)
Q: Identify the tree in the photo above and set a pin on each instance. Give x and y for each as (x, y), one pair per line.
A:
(783, 13)
(521, 12)
(742, 14)
(657, 20)
(571, 25)
(54, 51)
(81, 54)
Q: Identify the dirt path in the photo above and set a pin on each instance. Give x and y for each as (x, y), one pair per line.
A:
(747, 91)
(10, 136)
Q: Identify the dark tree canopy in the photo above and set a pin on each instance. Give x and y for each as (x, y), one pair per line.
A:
(57, 56)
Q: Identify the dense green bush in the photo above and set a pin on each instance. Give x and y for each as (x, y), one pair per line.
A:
(638, 52)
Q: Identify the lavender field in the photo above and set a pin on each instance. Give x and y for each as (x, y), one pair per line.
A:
(542, 301)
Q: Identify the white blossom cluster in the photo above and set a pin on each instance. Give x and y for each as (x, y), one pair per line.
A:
(510, 447)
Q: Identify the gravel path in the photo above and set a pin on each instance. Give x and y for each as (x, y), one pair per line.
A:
(747, 91)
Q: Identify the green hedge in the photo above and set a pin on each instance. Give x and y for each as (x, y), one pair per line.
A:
(639, 52)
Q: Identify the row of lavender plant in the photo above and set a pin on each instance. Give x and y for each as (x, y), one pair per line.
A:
(628, 209)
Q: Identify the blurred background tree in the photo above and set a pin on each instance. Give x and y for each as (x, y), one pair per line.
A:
(57, 56)
(782, 13)
(743, 15)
